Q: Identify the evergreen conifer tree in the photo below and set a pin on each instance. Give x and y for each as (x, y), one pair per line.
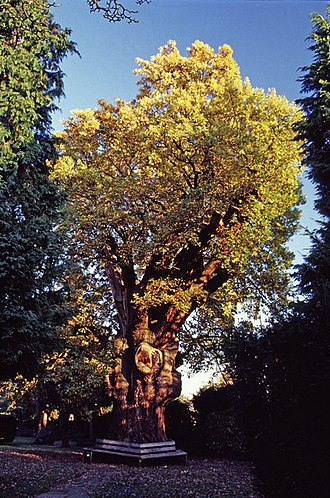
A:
(32, 47)
(315, 273)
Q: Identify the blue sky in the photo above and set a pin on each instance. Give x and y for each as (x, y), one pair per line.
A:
(268, 38)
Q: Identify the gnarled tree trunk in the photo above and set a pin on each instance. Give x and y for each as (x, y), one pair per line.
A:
(145, 378)
(144, 381)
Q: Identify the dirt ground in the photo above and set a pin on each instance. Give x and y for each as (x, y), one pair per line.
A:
(29, 471)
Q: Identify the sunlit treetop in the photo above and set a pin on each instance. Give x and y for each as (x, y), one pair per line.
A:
(193, 185)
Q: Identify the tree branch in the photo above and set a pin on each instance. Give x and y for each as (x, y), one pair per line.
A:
(114, 11)
(122, 279)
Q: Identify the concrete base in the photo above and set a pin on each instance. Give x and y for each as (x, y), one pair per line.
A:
(139, 454)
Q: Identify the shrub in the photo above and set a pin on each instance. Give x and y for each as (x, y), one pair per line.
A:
(221, 435)
(8, 425)
(180, 424)
(218, 431)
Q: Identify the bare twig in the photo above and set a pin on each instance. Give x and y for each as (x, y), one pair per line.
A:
(114, 11)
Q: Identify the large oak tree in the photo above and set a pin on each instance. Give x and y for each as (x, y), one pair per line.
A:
(183, 195)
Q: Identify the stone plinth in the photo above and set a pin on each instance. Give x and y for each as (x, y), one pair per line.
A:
(140, 454)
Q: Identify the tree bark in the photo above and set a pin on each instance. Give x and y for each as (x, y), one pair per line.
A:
(144, 381)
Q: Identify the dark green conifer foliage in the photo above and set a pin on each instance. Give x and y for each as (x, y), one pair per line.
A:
(315, 273)
(32, 47)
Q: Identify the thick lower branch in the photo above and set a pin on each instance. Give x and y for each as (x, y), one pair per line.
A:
(122, 279)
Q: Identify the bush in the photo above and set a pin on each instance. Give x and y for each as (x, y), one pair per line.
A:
(282, 377)
(8, 425)
(221, 435)
(214, 399)
(180, 424)
(101, 425)
(218, 432)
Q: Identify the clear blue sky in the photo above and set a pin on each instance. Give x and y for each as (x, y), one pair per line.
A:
(267, 36)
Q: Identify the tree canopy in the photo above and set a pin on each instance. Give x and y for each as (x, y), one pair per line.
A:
(187, 190)
(32, 47)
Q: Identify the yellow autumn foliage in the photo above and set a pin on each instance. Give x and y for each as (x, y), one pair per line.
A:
(197, 140)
